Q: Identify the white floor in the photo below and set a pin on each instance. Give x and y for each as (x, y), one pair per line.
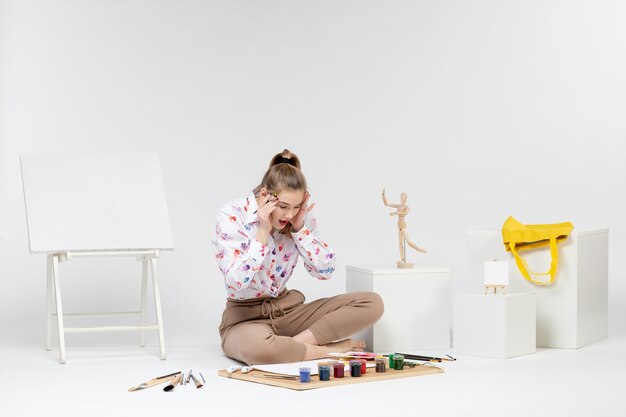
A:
(95, 380)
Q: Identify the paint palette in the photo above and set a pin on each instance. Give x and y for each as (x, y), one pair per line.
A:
(285, 381)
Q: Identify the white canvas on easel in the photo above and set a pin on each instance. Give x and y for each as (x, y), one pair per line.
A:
(94, 205)
(496, 276)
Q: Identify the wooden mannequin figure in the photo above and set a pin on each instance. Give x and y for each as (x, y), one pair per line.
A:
(401, 211)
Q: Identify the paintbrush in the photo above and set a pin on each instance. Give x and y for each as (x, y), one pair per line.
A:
(177, 380)
(426, 358)
(275, 195)
(196, 381)
(278, 376)
(155, 381)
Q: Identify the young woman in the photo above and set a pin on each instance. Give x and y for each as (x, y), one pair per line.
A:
(258, 241)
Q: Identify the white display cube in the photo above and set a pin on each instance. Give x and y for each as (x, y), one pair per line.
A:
(573, 311)
(417, 306)
(494, 326)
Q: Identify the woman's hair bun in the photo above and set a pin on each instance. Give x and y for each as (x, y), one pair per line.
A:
(286, 157)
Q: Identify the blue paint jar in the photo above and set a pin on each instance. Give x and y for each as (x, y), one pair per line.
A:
(324, 373)
(305, 374)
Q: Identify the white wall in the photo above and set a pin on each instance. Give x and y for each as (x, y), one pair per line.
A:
(476, 109)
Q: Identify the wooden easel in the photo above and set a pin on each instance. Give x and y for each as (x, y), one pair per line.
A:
(494, 288)
(148, 259)
(495, 276)
(95, 206)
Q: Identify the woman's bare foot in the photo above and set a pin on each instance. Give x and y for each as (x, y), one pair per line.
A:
(346, 345)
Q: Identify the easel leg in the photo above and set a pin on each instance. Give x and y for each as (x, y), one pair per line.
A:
(157, 303)
(57, 296)
(144, 289)
(49, 296)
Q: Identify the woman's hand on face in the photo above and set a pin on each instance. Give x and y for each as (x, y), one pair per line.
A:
(265, 212)
(298, 220)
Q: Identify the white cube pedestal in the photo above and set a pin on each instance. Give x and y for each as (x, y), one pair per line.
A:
(494, 326)
(417, 306)
(573, 311)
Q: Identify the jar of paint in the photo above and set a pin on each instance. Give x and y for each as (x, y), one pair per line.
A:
(338, 370)
(363, 366)
(305, 374)
(324, 373)
(381, 365)
(398, 362)
(391, 361)
(355, 368)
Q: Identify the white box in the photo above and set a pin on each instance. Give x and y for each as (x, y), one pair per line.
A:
(494, 326)
(573, 311)
(417, 306)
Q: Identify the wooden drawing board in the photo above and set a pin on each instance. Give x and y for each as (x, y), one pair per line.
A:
(93, 202)
(371, 376)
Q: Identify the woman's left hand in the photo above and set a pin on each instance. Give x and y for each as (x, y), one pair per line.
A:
(297, 222)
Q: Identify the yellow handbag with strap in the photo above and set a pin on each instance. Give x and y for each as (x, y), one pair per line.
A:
(517, 237)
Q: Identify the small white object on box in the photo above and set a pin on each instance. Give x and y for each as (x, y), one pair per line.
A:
(573, 311)
(501, 326)
(417, 306)
(496, 275)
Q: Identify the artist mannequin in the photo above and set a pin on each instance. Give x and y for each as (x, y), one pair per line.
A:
(401, 211)
(258, 241)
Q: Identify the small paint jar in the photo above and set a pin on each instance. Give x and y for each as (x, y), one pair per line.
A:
(355, 368)
(391, 361)
(398, 362)
(381, 366)
(363, 366)
(324, 373)
(305, 375)
(320, 364)
(338, 370)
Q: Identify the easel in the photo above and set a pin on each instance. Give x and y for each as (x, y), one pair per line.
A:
(97, 206)
(494, 288)
(148, 259)
(496, 277)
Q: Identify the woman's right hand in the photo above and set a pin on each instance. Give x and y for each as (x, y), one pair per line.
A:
(265, 212)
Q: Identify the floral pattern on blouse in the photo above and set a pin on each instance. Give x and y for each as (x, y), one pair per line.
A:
(252, 269)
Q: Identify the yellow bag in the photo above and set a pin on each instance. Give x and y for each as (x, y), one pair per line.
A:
(517, 236)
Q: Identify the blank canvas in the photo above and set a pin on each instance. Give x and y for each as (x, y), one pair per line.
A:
(95, 202)
(496, 273)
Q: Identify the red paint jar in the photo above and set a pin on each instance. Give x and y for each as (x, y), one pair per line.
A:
(363, 366)
(338, 370)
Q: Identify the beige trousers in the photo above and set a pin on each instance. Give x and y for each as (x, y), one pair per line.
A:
(260, 330)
